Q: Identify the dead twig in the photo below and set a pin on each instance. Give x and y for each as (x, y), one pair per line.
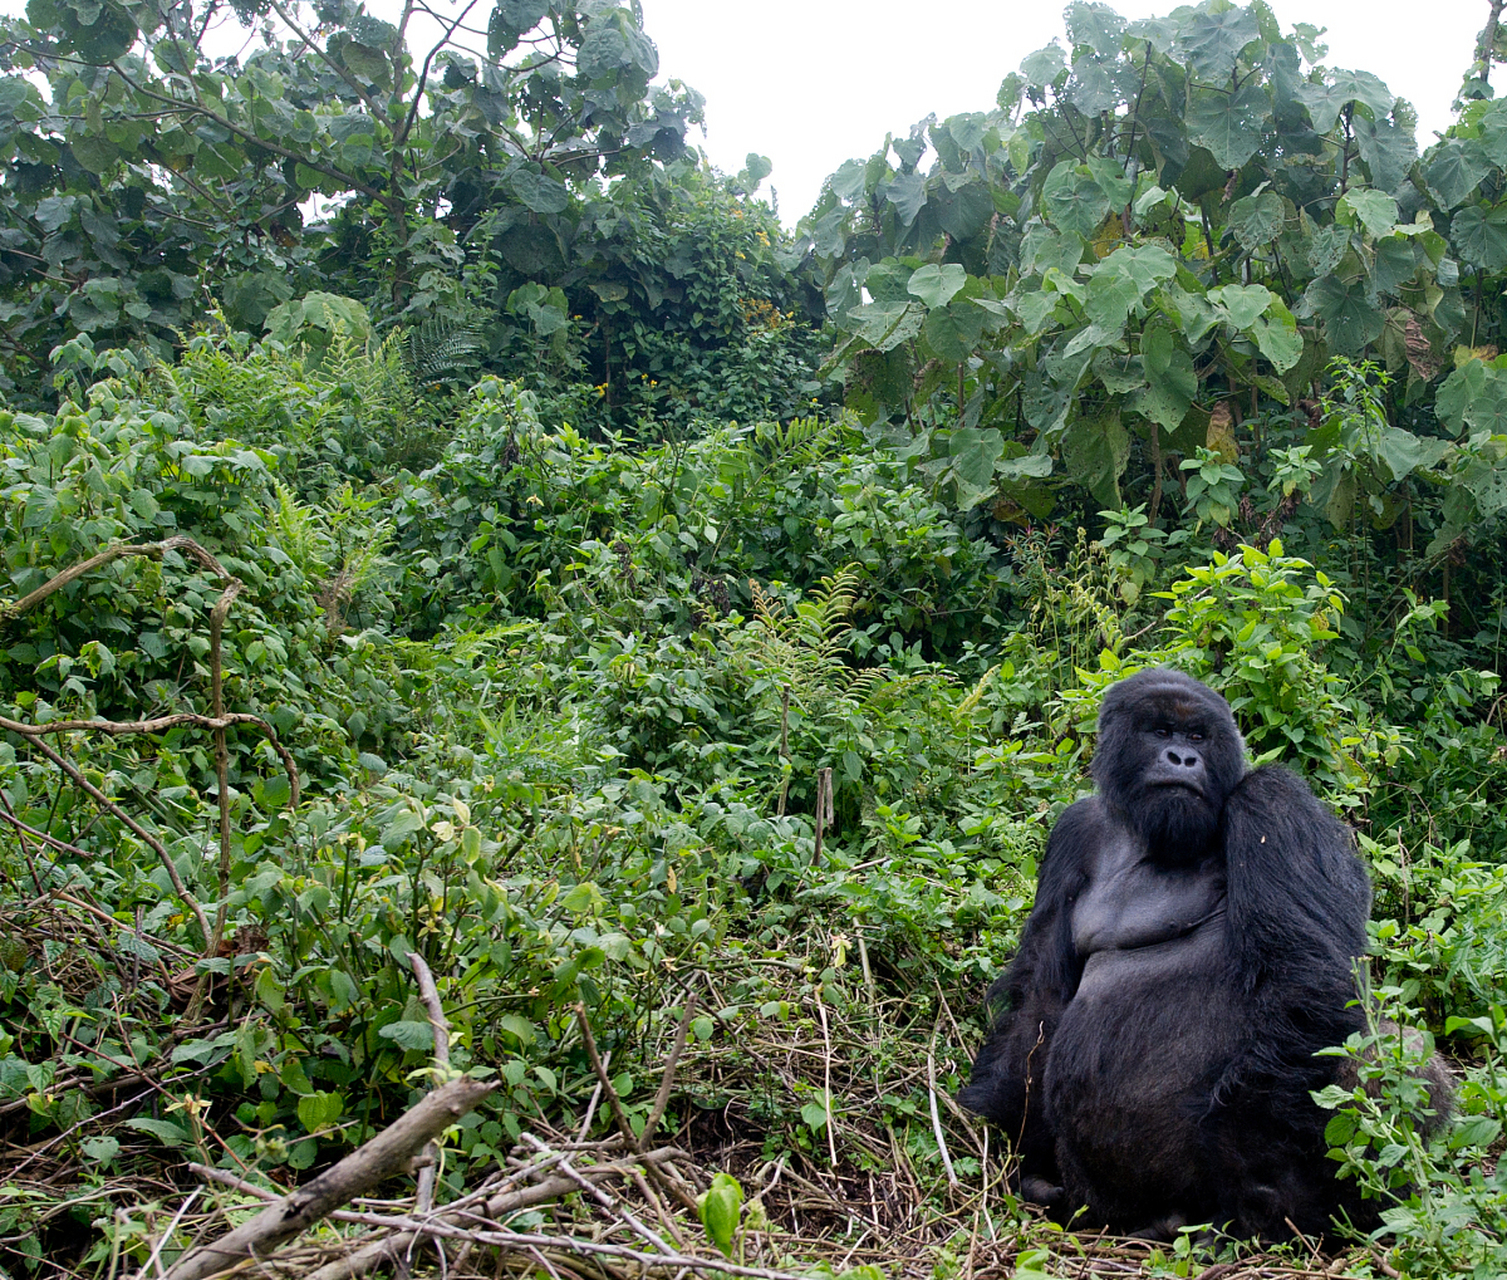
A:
(179, 542)
(667, 1077)
(161, 724)
(618, 1115)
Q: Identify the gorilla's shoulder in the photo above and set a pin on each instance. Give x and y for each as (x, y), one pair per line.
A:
(1290, 856)
(1275, 793)
(1078, 830)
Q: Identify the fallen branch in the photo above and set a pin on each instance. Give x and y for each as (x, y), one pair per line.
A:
(458, 1220)
(387, 1154)
(76, 775)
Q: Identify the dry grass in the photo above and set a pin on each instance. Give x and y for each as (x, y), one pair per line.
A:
(900, 1179)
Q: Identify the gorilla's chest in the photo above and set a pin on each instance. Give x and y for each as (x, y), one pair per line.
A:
(1130, 903)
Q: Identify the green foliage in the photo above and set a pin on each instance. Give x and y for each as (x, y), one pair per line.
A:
(1095, 275)
(1443, 1212)
(638, 674)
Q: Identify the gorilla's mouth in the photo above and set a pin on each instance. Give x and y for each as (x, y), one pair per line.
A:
(1181, 784)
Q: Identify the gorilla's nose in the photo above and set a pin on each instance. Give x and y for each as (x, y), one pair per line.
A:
(1188, 759)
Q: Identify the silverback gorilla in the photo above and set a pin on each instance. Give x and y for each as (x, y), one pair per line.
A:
(1191, 947)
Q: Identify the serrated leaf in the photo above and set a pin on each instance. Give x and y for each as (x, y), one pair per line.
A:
(319, 1110)
(399, 826)
(519, 1027)
(344, 989)
(1475, 1131)
(164, 1131)
(269, 990)
(415, 1036)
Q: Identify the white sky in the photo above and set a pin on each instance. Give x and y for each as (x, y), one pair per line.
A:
(811, 83)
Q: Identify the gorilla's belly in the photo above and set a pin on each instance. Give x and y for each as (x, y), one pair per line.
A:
(1136, 1056)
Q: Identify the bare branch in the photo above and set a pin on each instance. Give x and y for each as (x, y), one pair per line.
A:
(385, 1155)
(176, 543)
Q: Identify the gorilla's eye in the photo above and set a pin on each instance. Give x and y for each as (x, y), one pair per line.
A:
(1195, 736)
(1163, 733)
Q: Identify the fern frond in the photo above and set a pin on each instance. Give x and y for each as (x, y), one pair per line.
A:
(439, 349)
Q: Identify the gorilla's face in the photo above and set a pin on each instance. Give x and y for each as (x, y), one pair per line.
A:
(1168, 755)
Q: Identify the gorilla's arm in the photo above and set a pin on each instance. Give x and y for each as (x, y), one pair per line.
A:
(1298, 901)
(1027, 1000)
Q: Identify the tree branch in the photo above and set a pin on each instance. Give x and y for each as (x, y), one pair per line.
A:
(384, 1156)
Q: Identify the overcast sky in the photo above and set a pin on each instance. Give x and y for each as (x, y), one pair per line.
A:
(811, 83)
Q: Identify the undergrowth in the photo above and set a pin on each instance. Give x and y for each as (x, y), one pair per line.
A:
(746, 724)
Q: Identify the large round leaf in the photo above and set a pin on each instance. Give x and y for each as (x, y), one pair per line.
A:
(1229, 124)
(1257, 219)
(1074, 200)
(1480, 234)
(953, 332)
(935, 284)
(1351, 319)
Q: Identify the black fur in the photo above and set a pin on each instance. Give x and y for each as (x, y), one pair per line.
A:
(1191, 947)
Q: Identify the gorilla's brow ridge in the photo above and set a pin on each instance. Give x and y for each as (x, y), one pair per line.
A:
(1184, 712)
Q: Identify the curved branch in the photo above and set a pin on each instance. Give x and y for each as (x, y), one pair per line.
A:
(104, 802)
(161, 724)
(179, 542)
